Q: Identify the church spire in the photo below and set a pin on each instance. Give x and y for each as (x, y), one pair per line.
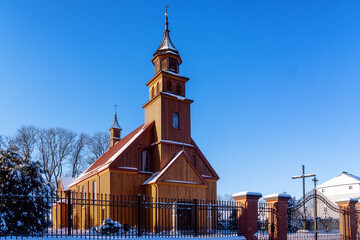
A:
(115, 130)
(166, 45)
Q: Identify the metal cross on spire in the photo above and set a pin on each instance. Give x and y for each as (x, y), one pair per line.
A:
(166, 19)
(115, 108)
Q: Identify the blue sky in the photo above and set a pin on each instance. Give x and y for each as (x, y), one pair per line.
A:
(275, 83)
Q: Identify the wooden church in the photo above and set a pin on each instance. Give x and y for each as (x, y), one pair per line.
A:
(160, 158)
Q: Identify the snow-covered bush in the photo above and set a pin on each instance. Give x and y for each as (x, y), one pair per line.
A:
(110, 227)
(24, 208)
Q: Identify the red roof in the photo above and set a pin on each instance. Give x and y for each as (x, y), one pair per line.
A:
(106, 159)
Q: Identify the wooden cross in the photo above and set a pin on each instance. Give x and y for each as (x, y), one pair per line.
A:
(303, 176)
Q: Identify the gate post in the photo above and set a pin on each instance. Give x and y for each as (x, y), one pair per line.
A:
(347, 223)
(247, 214)
(278, 203)
(69, 213)
(358, 218)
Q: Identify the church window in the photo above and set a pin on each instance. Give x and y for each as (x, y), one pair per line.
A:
(322, 190)
(94, 191)
(168, 86)
(178, 89)
(176, 120)
(350, 187)
(173, 65)
(152, 92)
(145, 164)
(157, 88)
(83, 195)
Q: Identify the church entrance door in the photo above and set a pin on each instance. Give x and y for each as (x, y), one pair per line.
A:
(184, 214)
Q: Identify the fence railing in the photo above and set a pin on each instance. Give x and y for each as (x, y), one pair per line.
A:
(114, 216)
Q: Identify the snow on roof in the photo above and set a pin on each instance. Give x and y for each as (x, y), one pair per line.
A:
(66, 181)
(156, 176)
(177, 96)
(166, 45)
(172, 142)
(115, 124)
(153, 178)
(112, 154)
(343, 179)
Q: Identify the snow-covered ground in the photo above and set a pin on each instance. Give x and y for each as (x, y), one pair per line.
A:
(141, 238)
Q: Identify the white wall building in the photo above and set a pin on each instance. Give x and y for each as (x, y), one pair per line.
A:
(345, 185)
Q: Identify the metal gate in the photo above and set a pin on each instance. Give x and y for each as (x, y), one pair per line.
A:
(264, 215)
(314, 217)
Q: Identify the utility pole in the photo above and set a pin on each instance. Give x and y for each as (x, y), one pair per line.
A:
(303, 176)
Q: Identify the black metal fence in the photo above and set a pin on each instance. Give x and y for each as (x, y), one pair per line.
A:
(114, 216)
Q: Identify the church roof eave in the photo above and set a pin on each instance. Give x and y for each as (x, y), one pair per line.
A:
(169, 95)
(157, 75)
(110, 157)
(156, 177)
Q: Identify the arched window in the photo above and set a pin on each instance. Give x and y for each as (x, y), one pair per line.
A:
(145, 163)
(178, 89)
(176, 120)
(173, 65)
(168, 86)
(152, 92)
(157, 88)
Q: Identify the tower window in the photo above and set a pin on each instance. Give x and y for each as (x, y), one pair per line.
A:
(163, 64)
(157, 88)
(145, 164)
(178, 89)
(350, 187)
(173, 65)
(157, 66)
(152, 92)
(176, 120)
(168, 86)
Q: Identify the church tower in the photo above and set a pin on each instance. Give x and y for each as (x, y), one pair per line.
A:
(167, 106)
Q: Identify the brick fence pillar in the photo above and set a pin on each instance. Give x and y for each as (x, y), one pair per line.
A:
(247, 213)
(277, 204)
(347, 223)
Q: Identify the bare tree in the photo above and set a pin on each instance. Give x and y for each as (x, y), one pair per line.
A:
(7, 142)
(2, 143)
(25, 140)
(76, 159)
(97, 145)
(54, 145)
